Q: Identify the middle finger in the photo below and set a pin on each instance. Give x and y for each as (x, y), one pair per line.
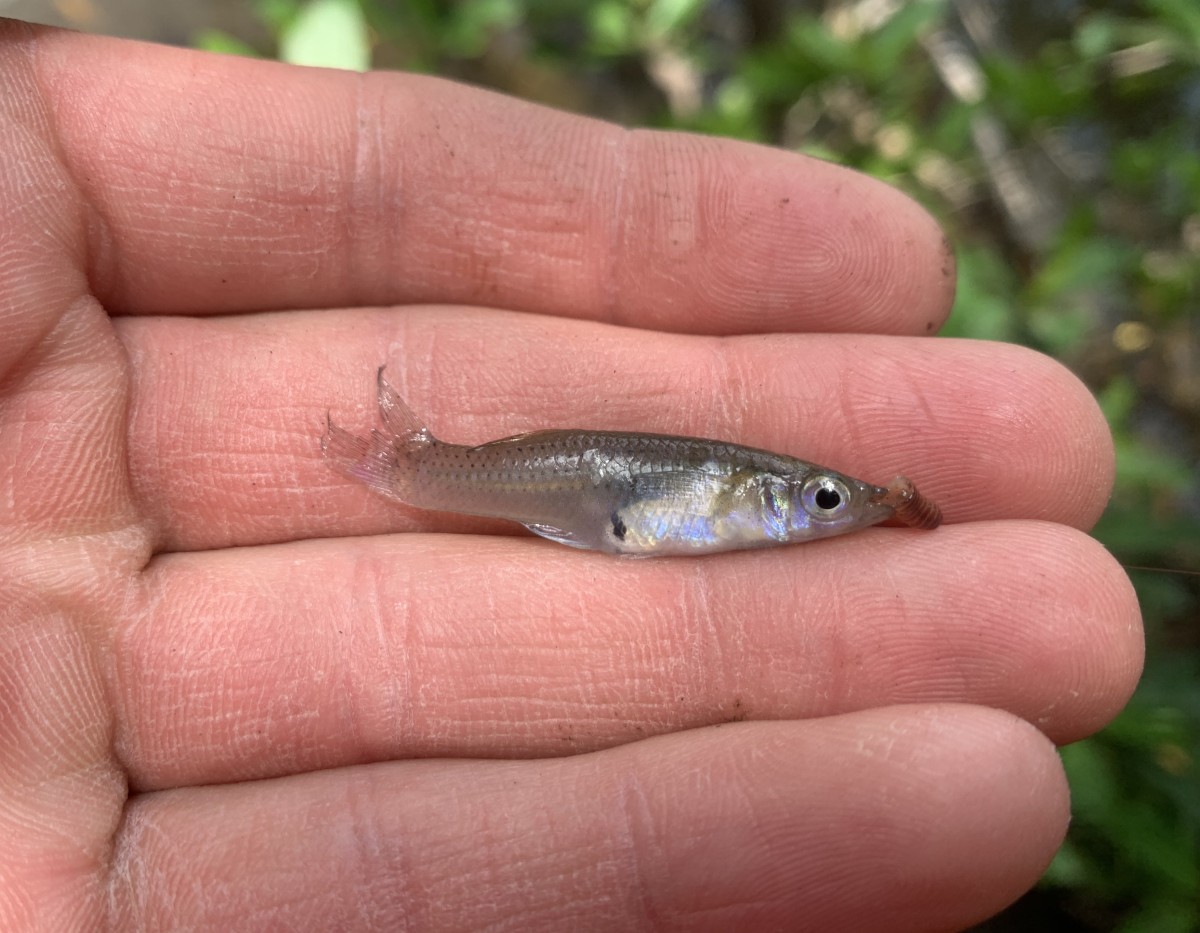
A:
(228, 413)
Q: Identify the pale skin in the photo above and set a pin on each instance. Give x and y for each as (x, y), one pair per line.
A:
(239, 691)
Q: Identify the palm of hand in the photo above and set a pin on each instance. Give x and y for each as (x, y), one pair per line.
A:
(215, 688)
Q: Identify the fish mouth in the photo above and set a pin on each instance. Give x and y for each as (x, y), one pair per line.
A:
(907, 504)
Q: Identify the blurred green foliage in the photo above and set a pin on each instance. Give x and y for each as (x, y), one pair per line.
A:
(1059, 143)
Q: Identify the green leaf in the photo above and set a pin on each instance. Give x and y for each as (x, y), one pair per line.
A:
(1095, 37)
(1141, 465)
(984, 305)
(613, 29)
(1070, 868)
(665, 17)
(328, 34)
(815, 44)
(898, 39)
(213, 40)
(476, 22)
(1117, 401)
(1181, 15)
(1162, 915)
(277, 14)
(1094, 787)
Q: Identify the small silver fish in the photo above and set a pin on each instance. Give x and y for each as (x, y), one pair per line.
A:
(623, 493)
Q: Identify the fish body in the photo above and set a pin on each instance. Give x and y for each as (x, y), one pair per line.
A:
(618, 492)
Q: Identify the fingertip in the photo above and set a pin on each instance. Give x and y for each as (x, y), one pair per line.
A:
(917, 271)
(761, 240)
(1029, 439)
(907, 818)
(1107, 650)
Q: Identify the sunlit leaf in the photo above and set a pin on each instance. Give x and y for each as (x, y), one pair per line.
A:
(328, 34)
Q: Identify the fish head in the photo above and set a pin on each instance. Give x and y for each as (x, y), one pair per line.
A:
(821, 503)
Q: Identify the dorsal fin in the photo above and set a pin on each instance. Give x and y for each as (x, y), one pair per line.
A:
(397, 417)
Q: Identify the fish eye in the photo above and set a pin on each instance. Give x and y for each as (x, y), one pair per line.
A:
(825, 497)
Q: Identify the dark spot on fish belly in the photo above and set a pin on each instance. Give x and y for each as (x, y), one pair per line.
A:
(619, 528)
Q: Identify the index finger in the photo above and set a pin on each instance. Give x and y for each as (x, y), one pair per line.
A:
(220, 184)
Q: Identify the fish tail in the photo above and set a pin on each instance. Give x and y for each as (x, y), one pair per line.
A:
(381, 461)
(372, 460)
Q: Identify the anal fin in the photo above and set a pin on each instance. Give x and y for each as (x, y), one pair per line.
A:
(569, 538)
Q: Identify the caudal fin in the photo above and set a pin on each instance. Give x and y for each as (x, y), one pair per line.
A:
(374, 461)
(381, 461)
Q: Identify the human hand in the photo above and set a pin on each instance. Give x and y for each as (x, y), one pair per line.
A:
(239, 691)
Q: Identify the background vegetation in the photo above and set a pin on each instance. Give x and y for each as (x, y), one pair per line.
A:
(1059, 143)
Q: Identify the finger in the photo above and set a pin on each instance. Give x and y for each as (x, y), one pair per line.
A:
(55, 341)
(252, 663)
(61, 792)
(900, 819)
(227, 414)
(326, 189)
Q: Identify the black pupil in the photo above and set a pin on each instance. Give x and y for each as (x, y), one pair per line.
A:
(827, 499)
